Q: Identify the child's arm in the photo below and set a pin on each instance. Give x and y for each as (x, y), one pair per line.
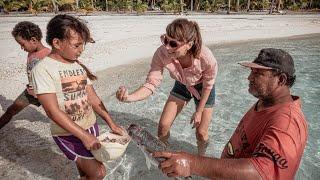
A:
(101, 110)
(50, 105)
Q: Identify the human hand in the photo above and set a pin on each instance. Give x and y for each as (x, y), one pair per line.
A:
(176, 163)
(91, 142)
(196, 119)
(122, 94)
(31, 92)
(117, 130)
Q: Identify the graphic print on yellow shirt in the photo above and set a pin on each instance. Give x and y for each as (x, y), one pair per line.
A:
(69, 83)
(74, 93)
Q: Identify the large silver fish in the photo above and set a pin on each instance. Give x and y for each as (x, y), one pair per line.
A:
(148, 144)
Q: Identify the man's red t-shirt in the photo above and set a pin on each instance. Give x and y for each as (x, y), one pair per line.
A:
(273, 139)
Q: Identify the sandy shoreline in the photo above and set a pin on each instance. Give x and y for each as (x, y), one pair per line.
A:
(27, 150)
(124, 39)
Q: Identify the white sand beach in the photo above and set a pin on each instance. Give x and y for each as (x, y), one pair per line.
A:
(27, 150)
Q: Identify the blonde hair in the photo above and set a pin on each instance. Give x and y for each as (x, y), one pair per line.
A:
(182, 29)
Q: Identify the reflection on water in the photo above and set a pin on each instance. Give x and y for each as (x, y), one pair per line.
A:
(232, 102)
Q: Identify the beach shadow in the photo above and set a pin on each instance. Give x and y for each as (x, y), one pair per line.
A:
(26, 155)
(30, 112)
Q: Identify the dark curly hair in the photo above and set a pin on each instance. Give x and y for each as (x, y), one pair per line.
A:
(27, 30)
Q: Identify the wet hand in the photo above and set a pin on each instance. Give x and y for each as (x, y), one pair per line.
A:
(196, 119)
(122, 94)
(177, 163)
(118, 130)
(91, 142)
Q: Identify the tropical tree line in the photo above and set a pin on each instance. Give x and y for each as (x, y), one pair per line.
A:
(141, 6)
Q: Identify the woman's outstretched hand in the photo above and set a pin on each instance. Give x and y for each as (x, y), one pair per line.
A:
(196, 119)
(122, 94)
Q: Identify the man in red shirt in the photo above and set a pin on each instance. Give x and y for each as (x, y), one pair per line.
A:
(269, 140)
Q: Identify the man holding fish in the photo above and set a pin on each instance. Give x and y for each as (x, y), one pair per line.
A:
(269, 140)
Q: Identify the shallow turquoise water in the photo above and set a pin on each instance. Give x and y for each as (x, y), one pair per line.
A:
(232, 102)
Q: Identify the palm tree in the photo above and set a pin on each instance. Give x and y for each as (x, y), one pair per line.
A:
(271, 7)
(197, 4)
(77, 4)
(92, 4)
(237, 5)
(55, 7)
(310, 5)
(191, 5)
(278, 5)
(248, 5)
(181, 6)
(229, 3)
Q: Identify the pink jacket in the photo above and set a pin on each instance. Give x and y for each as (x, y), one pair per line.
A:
(203, 70)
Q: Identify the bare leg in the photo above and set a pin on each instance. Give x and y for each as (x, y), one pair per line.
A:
(81, 173)
(202, 131)
(91, 168)
(12, 110)
(171, 109)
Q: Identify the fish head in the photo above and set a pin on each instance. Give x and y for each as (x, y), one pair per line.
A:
(134, 131)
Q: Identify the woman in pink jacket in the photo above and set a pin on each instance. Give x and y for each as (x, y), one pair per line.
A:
(194, 68)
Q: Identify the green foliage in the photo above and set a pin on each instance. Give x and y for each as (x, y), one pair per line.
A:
(86, 5)
(165, 6)
(41, 5)
(260, 5)
(294, 7)
(218, 4)
(206, 6)
(140, 7)
(172, 5)
(120, 5)
(14, 5)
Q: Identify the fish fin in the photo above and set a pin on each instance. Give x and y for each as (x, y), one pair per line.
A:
(148, 161)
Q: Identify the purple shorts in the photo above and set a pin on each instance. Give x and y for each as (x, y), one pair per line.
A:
(73, 148)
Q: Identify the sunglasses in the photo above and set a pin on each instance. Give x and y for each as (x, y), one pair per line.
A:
(172, 43)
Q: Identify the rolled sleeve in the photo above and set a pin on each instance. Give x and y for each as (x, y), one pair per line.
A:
(42, 80)
(209, 75)
(154, 76)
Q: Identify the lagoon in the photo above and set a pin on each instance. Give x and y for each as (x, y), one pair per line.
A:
(232, 101)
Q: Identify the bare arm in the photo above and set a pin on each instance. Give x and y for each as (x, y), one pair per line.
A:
(153, 80)
(50, 105)
(204, 97)
(214, 168)
(101, 110)
(184, 164)
(138, 95)
(196, 117)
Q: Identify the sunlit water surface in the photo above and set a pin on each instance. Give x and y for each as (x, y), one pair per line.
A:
(232, 101)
